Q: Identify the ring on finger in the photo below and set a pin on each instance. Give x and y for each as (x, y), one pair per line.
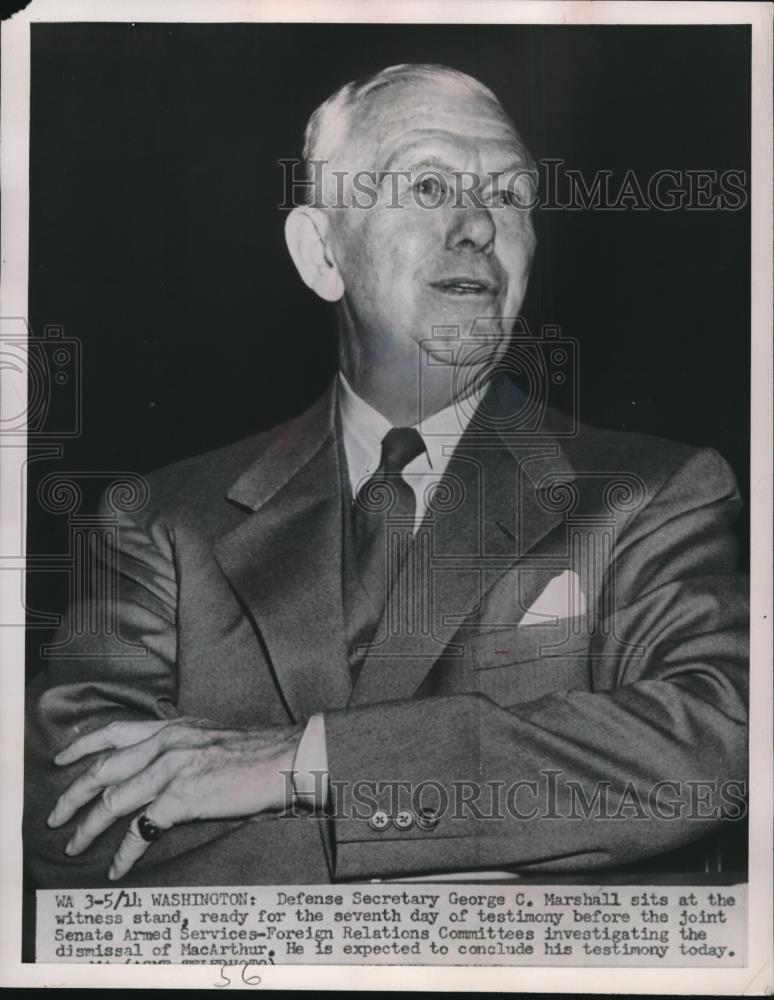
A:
(148, 829)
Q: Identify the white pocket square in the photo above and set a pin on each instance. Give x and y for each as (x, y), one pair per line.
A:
(562, 598)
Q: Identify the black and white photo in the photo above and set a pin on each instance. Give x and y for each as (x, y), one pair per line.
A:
(388, 506)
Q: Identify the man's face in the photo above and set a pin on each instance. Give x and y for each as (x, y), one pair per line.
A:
(421, 258)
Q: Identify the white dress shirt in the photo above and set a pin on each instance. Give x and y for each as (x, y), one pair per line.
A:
(364, 429)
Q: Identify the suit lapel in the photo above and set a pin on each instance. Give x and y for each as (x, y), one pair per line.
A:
(285, 560)
(488, 519)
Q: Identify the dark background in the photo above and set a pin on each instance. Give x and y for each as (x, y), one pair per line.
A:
(156, 241)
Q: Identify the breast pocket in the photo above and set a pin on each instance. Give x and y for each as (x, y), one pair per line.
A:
(526, 662)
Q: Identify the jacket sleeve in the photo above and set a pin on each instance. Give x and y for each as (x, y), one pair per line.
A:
(650, 758)
(119, 662)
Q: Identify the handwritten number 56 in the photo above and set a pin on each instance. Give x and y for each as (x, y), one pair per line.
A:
(247, 980)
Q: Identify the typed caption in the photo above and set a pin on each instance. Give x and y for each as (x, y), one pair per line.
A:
(396, 924)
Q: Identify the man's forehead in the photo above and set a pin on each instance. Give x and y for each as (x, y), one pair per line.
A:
(453, 148)
(409, 120)
(416, 104)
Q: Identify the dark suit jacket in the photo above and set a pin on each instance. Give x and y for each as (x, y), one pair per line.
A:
(231, 609)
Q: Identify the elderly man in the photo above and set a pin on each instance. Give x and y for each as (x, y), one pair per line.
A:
(415, 629)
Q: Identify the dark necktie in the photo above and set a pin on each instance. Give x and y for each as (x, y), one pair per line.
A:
(383, 515)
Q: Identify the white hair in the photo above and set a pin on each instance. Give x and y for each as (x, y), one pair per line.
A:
(331, 122)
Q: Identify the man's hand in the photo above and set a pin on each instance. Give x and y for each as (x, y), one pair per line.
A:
(182, 769)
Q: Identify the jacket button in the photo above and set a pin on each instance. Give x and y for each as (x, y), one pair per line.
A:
(379, 821)
(403, 820)
(427, 819)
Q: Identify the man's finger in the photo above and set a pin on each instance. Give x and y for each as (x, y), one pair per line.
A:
(110, 737)
(132, 848)
(165, 812)
(123, 799)
(108, 769)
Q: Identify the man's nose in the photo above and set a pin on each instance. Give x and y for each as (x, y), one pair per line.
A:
(471, 229)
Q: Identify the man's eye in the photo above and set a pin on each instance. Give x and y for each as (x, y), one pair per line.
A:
(430, 187)
(518, 191)
(511, 198)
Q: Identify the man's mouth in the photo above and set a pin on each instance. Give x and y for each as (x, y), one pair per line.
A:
(463, 286)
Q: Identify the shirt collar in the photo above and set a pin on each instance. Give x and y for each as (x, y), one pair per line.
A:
(364, 428)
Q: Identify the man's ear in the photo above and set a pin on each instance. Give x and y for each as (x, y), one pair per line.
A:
(307, 236)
